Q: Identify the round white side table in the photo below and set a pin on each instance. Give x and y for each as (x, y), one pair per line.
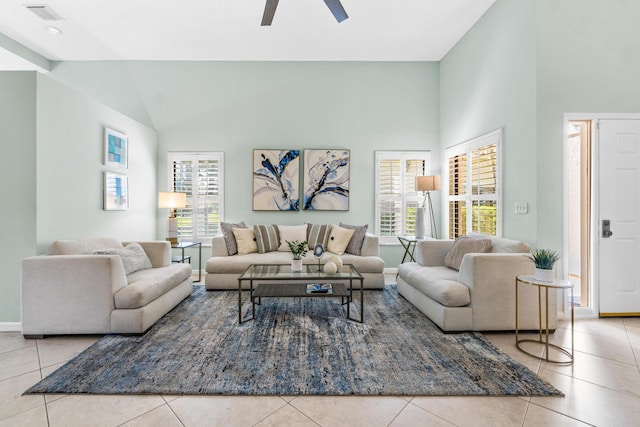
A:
(543, 335)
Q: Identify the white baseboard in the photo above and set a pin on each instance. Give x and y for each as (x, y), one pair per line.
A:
(390, 270)
(10, 327)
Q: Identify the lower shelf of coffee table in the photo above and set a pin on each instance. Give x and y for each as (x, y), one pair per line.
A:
(296, 290)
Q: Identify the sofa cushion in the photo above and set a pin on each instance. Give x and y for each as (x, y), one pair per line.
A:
(339, 239)
(267, 238)
(502, 244)
(147, 285)
(318, 234)
(246, 240)
(438, 283)
(133, 257)
(462, 246)
(291, 233)
(83, 247)
(355, 244)
(229, 237)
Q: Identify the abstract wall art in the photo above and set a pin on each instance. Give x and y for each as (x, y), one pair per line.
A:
(116, 149)
(276, 180)
(116, 192)
(326, 180)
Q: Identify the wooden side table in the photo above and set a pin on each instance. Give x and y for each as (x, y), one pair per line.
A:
(544, 331)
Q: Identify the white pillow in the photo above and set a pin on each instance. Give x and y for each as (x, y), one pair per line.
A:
(339, 239)
(246, 240)
(133, 256)
(291, 233)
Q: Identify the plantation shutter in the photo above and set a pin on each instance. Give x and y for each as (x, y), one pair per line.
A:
(396, 196)
(473, 187)
(200, 176)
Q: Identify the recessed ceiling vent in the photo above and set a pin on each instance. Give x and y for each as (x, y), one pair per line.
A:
(44, 12)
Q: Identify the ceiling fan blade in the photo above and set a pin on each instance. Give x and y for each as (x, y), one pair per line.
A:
(269, 11)
(336, 8)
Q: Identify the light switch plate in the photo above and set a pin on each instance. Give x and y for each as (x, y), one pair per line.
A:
(521, 208)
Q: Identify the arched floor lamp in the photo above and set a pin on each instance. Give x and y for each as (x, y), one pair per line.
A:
(426, 184)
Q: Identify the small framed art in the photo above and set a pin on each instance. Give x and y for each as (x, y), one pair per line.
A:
(116, 192)
(116, 149)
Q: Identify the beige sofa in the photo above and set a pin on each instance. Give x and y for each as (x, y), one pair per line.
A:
(74, 291)
(481, 295)
(223, 269)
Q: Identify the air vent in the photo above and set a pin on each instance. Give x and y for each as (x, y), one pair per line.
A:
(44, 12)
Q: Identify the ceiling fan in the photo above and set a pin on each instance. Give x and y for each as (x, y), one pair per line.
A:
(334, 6)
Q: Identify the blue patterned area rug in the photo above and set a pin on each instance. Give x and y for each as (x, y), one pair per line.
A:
(295, 347)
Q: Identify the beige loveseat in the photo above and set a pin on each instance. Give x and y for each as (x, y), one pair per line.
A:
(481, 295)
(71, 290)
(223, 269)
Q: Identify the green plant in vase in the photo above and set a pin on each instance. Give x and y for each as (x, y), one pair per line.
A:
(544, 260)
(298, 249)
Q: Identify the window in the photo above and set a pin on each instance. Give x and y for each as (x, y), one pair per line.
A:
(201, 176)
(396, 195)
(474, 186)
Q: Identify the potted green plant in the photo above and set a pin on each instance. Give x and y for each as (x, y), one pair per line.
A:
(298, 249)
(544, 260)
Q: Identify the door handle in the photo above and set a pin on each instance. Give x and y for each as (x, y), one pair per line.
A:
(606, 228)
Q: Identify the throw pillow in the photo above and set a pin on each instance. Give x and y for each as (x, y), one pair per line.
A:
(267, 238)
(339, 239)
(462, 246)
(291, 233)
(246, 240)
(317, 233)
(134, 258)
(229, 237)
(355, 244)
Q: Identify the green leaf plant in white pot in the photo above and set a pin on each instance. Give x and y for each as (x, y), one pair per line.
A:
(298, 249)
(544, 260)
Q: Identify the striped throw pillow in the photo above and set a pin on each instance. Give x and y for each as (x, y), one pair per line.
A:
(267, 238)
(318, 233)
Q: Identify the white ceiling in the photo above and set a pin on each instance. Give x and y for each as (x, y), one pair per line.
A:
(302, 30)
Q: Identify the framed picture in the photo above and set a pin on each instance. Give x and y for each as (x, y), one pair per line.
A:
(276, 180)
(116, 149)
(116, 192)
(326, 180)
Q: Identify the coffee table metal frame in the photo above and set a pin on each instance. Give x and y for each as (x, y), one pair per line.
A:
(279, 281)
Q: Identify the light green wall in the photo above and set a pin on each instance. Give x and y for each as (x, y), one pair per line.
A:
(70, 169)
(588, 62)
(238, 106)
(18, 194)
(488, 81)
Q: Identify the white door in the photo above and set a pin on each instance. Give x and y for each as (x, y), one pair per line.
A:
(619, 217)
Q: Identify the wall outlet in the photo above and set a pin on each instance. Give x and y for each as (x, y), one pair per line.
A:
(521, 208)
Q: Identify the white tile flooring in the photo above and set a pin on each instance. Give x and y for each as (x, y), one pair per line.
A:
(602, 388)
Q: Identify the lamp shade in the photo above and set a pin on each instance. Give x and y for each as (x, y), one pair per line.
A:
(428, 183)
(172, 200)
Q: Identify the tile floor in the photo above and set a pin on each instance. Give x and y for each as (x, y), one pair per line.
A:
(602, 388)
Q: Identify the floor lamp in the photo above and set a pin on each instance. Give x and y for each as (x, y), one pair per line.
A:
(172, 201)
(427, 184)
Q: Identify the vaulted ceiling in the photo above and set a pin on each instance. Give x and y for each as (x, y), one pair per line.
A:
(230, 30)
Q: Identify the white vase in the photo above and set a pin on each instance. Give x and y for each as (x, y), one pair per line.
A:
(419, 223)
(544, 275)
(296, 265)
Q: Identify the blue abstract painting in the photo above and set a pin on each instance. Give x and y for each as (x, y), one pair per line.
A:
(326, 180)
(116, 191)
(276, 180)
(116, 149)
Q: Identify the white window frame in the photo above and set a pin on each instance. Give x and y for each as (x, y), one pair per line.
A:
(403, 196)
(196, 156)
(467, 147)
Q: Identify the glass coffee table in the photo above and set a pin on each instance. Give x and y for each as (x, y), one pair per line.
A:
(278, 281)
